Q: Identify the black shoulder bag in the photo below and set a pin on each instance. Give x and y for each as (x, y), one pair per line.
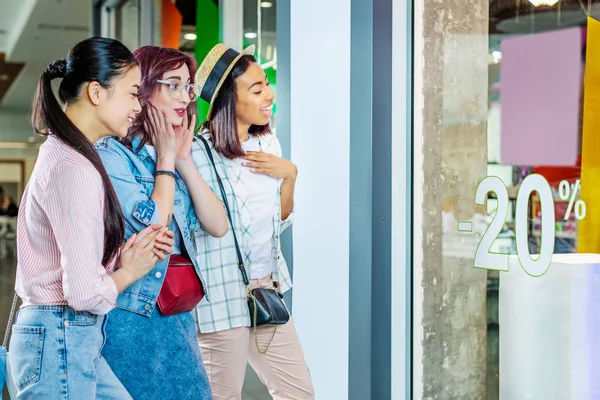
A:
(266, 306)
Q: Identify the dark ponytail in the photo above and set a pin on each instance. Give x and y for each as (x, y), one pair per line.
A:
(92, 60)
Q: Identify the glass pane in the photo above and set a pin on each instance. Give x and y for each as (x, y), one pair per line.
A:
(260, 30)
(509, 150)
(128, 24)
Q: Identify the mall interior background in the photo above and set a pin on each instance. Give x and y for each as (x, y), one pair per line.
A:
(33, 33)
(394, 112)
(324, 64)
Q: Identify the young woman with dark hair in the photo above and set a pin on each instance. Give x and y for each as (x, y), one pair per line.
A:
(259, 186)
(156, 181)
(71, 265)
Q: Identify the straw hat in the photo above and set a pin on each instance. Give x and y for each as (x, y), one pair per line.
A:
(215, 67)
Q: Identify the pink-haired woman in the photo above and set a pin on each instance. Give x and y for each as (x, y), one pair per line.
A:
(152, 344)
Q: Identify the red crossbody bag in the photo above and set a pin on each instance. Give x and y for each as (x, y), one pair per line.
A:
(181, 290)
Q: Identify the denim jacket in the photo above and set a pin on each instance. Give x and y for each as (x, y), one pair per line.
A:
(132, 176)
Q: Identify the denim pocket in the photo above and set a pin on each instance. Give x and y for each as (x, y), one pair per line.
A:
(26, 347)
(83, 318)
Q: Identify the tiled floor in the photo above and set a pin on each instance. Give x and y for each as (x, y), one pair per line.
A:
(253, 388)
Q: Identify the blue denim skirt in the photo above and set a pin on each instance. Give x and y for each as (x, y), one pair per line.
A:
(156, 357)
(55, 353)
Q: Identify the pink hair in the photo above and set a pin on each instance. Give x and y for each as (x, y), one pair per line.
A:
(154, 61)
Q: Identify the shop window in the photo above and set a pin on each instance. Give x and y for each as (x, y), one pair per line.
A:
(133, 22)
(260, 30)
(510, 285)
(128, 23)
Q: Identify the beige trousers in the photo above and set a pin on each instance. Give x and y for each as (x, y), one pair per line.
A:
(282, 369)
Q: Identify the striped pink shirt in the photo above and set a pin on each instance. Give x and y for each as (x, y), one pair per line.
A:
(60, 235)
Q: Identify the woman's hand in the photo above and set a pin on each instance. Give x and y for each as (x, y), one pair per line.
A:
(184, 137)
(165, 142)
(269, 164)
(138, 257)
(162, 133)
(164, 243)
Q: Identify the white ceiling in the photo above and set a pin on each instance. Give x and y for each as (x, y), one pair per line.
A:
(9, 11)
(36, 32)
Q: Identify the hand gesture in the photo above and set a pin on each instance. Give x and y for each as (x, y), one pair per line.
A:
(161, 132)
(139, 258)
(184, 138)
(269, 164)
(164, 242)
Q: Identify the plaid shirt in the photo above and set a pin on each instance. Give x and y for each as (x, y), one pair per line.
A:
(217, 257)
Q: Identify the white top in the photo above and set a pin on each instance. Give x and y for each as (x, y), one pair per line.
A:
(228, 307)
(262, 196)
(152, 150)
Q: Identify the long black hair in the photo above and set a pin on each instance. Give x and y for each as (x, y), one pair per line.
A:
(223, 122)
(92, 60)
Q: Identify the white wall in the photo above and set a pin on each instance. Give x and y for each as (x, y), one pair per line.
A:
(20, 152)
(418, 179)
(15, 126)
(320, 132)
(10, 179)
(8, 172)
(15, 130)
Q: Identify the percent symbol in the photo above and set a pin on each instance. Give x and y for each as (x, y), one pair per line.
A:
(565, 193)
(533, 264)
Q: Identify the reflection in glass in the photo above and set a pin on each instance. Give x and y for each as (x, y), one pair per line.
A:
(523, 90)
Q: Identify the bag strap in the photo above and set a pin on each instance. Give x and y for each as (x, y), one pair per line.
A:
(239, 253)
(10, 320)
(224, 195)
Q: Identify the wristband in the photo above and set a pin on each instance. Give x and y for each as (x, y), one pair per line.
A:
(164, 172)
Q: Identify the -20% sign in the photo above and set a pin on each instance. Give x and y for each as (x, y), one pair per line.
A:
(538, 264)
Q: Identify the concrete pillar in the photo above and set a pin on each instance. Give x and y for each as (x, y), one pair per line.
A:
(451, 46)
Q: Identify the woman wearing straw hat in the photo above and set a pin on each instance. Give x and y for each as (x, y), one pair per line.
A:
(240, 159)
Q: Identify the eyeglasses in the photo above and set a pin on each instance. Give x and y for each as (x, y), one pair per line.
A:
(177, 90)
